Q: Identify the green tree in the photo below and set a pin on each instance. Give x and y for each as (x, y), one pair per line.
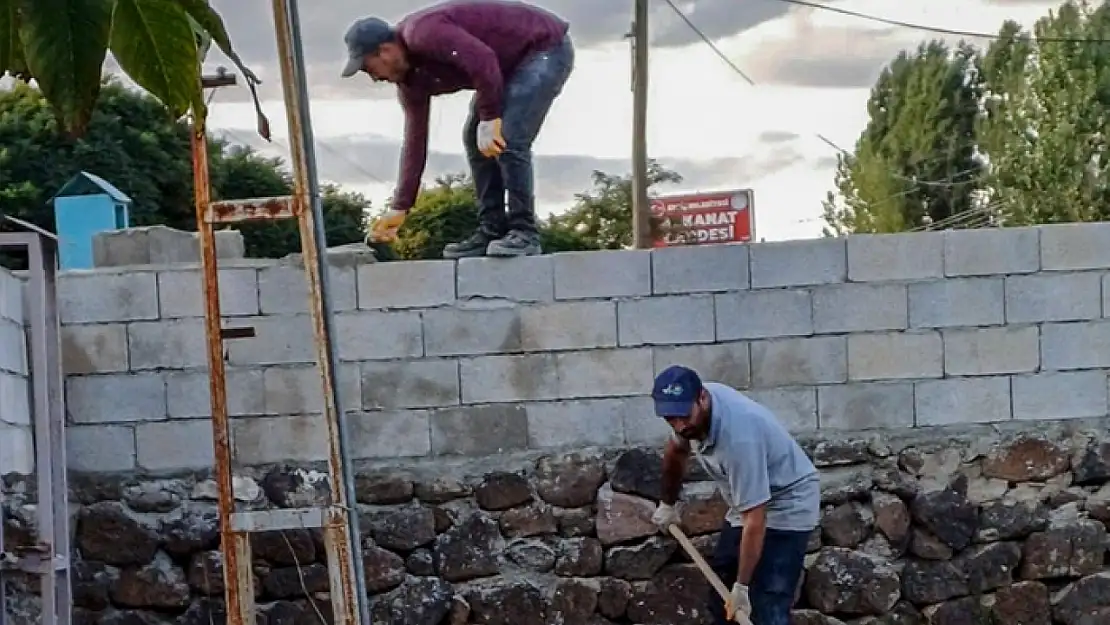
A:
(1044, 128)
(134, 145)
(602, 216)
(160, 44)
(916, 157)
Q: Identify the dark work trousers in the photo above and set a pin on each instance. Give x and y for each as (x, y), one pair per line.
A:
(528, 96)
(776, 575)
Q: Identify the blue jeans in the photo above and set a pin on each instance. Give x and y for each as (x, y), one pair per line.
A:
(528, 96)
(776, 574)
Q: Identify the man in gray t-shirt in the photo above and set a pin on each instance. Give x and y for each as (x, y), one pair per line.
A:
(771, 486)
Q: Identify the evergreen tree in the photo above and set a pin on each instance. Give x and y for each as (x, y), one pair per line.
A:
(916, 158)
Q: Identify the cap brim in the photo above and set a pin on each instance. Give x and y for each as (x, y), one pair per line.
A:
(353, 66)
(673, 409)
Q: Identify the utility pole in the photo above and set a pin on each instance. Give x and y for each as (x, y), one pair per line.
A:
(641, 209)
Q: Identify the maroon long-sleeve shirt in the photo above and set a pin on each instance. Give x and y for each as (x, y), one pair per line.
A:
(461, 45)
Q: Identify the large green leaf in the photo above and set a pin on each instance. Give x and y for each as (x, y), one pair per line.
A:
(209, 20)
(65, 43)
(153, 42)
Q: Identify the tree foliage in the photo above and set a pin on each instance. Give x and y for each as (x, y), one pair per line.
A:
(160, 44)
(132, 143)
(1034, 142)
(916, 156)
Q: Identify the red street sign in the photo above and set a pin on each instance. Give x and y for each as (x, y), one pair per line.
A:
(704, 218)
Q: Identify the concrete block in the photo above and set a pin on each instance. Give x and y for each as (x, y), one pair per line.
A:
(264, 440)
(117, 398)
(860, 308)
(798, 263)
(599, 274)
(1053, 297)
(604, 373)
(107, 296)
(13, 348)
(666, 320)
(278, 340)
(410, 384)
(17, 450)
(479, 430)
(528, 279)
(866, 406)
(407, 284)
(895, 356)
(189, 396)
(957, 302)
(374, 335)
(390, 434)
(467, 332)
(160, 245)
(641, 426)
(763, 314)
(298, 390)
(992, 351)
(495, 379)
(589, 423)
(1071, 395)
(796, 407)
(98, 348)
(962, 400)
(791, 362)
(15, 399)
(568, 325)
(177, 344)
(991, 251)
(1075, 246)
(174, 445)
(1080, 345)
(727, 363)
(101, 448)
(699, 268)
(283, 289)
(891, 257)
(181, 293)
(11, 297)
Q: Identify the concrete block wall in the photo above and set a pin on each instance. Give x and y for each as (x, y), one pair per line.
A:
(17, 453)
(485, 356)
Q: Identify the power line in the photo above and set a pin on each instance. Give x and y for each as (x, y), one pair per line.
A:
(933, 29)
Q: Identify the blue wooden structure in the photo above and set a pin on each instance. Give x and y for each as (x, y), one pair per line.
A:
(83, 207)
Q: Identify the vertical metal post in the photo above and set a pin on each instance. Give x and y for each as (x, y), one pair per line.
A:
(309, 210)
(641, 209)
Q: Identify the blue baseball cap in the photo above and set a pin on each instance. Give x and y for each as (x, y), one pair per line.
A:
(675, 392)
(364, 37)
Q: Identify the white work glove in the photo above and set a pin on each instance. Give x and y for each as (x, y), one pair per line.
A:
(490, 141)
(738, 602)
(665, 516)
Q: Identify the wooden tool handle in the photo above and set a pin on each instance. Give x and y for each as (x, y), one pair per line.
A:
(705, 569)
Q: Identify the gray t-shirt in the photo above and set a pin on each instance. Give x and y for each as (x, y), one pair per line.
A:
(755, 460)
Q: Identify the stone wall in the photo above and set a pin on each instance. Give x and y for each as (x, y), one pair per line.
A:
(17, 452)
(487, 356)
(982, 526)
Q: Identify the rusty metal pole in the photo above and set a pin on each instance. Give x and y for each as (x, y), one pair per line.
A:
(308, 205)
(216, 375)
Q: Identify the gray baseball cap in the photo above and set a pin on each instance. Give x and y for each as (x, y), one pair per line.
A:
(364, 37)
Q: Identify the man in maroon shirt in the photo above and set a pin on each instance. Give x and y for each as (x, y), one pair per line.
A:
(516, 57)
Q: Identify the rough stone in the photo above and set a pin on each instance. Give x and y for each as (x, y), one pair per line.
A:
(948, 515)
(1074, 550)
(843, 581)
(441, 489)
(418, 601)
(291, 582)
(384, 569)
(192, 529)
(1028, 458)
(703, 508)
(383, 488)
(501, 491)
(531, 554)
(579, 557)
(1008, 519)
(508, 603)
(155, 496)
(989, 567)
(468, 550)
(613, 597)
(108, 532)
(574, 601)
(642, 561)
(403, 529)
(676, 595)
(1091, 465)
(287, 548)
(622, 517)
(92, 582)
(638, 472)
(421, 563)
(892, 518)
(570, 480)
(966, 610)
(927, 582)
(844, 484)
(292, 487)
(1024, 603)
(575, 523)
(157, 585)
(847, 525)
(535, 520)
(928, 547)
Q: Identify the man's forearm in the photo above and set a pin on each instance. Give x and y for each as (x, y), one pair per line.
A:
(751, 549)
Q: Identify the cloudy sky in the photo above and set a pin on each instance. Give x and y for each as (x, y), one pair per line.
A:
(812, 69)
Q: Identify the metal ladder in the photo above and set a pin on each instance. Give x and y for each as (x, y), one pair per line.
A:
(339, 525)
(49, 557)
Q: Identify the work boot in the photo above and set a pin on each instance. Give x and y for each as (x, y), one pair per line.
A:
(516, 243)
(472, 246)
